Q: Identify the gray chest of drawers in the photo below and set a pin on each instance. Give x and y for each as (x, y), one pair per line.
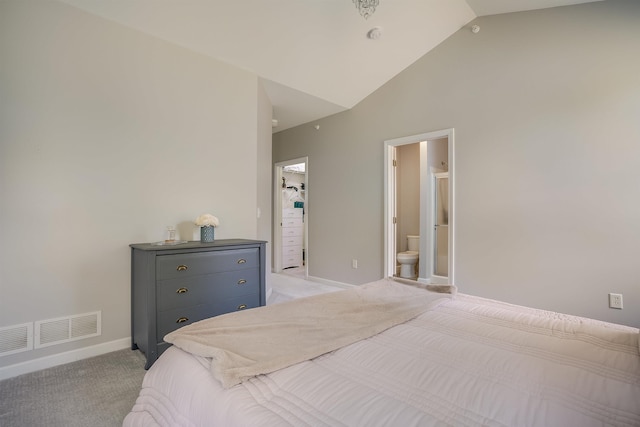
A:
(173, 286)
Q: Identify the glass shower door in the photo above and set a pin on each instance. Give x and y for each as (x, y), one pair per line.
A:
(441, 225)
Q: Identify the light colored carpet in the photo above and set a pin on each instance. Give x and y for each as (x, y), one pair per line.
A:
(286, 287)
(95, 392)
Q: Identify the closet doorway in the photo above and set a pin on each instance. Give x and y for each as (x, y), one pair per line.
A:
(433, 201)
(290, 231)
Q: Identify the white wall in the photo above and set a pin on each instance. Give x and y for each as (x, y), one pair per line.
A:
(264, 170)
(107, 136)
(545, 106)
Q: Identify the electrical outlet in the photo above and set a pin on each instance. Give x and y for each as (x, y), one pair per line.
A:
(615, 301)
(354, 263)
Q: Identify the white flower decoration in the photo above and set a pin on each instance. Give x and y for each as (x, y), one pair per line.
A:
(207, 220)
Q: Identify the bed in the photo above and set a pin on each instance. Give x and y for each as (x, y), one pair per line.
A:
(447, 359)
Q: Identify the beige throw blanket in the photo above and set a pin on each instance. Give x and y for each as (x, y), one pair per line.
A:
(262, 340)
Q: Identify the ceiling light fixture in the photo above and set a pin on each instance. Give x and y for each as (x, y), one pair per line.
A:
(366, 7)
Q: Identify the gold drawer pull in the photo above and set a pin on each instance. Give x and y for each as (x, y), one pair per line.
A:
(182, 320)
(241, 282)
(242, 261)
(242, 306)
(182, 291)
(182, 267)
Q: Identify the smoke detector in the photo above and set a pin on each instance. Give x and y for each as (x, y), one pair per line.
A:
(375, 33)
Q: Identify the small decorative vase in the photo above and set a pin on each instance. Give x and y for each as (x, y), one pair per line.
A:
(206, 233)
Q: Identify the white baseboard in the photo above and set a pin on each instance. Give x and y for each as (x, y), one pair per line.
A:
(330, 282)
(62, 358)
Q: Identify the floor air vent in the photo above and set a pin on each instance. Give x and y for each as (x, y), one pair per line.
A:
(66, 329)
(14, 339)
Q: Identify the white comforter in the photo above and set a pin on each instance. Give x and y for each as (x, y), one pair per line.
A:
(259, 341)
(469, 362)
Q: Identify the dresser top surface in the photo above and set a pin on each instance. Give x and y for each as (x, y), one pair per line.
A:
(196, 244)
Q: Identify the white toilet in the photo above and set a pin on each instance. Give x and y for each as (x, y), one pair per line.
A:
(409, 260)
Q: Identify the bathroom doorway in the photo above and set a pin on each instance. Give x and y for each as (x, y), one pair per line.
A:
(290, 231)
(420, 199)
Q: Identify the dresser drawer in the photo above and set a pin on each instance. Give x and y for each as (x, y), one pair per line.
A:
(195, 264)
(237, 304)
(170, 320)
(292, 260)
(177, 293)
(292, 222)
(291, 213)
(291, 231)
(190, 291)
(292, 240)
(291, 251)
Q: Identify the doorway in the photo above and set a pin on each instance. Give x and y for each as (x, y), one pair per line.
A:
(291, 196)
(436, 211)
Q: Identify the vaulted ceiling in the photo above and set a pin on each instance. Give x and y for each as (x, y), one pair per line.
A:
(313, 56)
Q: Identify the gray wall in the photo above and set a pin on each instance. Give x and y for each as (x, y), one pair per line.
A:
(264, 174)
(107, 136)
(546, 107)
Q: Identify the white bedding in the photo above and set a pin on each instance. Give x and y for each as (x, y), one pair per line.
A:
(469, 362)
(260, 341)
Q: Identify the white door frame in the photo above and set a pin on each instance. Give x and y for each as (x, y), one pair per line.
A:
(390, 198)
(433, 175)
(277, 214)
